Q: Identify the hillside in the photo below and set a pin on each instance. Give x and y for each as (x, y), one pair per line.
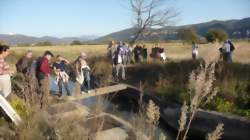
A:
(236, 29)
(23, 39)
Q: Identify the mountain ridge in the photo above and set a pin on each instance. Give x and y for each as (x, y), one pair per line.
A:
(236, 29)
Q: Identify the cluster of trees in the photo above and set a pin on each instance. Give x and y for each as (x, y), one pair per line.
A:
(45, 43)
(213, 35)
(216, 35)
(76, 42)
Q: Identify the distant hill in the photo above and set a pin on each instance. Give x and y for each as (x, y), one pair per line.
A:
(236, 29)
(23, 39)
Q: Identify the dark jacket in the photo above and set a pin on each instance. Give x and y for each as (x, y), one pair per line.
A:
(23, 65)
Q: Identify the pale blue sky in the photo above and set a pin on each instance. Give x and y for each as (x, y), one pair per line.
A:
(99, 17)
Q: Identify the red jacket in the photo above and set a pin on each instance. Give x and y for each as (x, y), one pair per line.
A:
(44, 66)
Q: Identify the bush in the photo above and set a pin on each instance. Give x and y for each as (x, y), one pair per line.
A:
(188, 35)
(101, 71)
(216, 34)
(21, 107)
(76, 42)
(45, 43)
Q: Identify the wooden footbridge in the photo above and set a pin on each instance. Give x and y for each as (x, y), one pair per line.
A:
(115, 88)
(101, 91)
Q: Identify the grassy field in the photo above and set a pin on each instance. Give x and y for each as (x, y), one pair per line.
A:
(175, 51)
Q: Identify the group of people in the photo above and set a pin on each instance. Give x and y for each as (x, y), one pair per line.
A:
(122, 54)
(226, 51)
(40, 69)
(119, 54)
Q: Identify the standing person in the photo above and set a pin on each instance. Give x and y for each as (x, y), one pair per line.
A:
(118, 64)
(194, 51)
(43, 72)
(226, 51)
(137, 53)
(82, 73)
(111, 49)
(62, 76)
(23, 65)
(130, 54)
(232, 48)
(5, 72)
(125, 53)
(162, 54)
(145, 53)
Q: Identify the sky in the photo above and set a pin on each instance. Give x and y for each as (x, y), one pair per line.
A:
(64, 18)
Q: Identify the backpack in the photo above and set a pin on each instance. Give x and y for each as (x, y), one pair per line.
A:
(232, 48)
(37, 65)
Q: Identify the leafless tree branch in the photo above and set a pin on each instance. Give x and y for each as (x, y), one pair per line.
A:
(150, 14)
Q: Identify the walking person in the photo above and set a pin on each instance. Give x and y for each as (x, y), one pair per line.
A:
(43, 72)
(194, 51)
(61, 75)
(5, 72)
(82, 71)
(118, 64)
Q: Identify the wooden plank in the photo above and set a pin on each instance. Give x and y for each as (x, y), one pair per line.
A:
(9, 111)
(99, 91)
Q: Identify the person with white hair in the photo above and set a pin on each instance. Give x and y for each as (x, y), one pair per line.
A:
(82, 72)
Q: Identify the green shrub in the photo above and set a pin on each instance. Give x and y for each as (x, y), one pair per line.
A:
(21, 107)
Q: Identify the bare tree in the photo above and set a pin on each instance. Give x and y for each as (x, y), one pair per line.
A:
(150, 14)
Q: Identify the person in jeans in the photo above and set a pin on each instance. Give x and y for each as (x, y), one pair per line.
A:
(43, 72)
(61, 76)
(83, 73)
(5, 72)
(118, 63)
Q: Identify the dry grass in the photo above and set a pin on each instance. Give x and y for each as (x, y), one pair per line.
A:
(217, 133)
(175, 51)
(201, 90)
